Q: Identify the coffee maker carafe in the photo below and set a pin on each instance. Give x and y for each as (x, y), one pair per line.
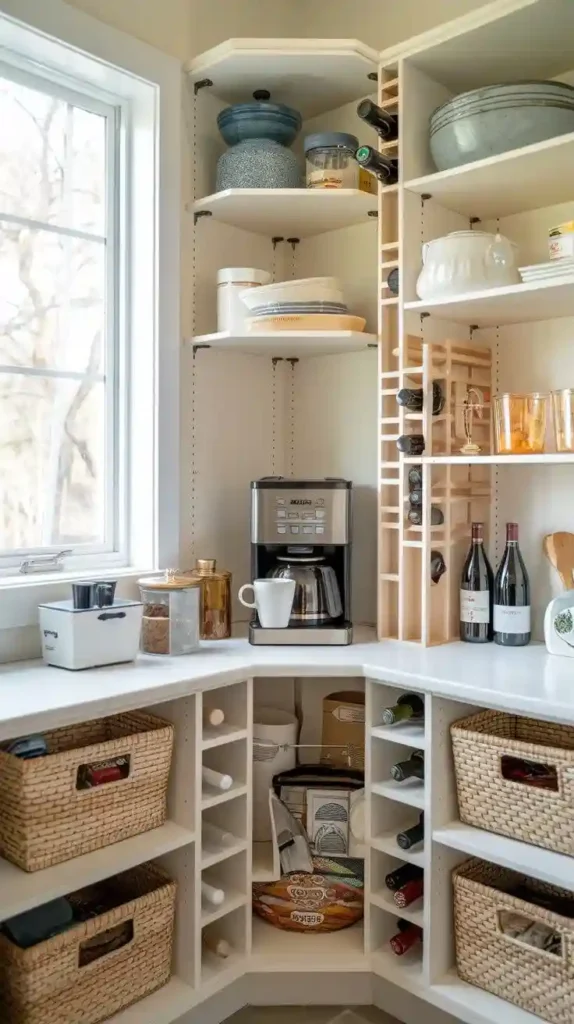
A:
(301, 530)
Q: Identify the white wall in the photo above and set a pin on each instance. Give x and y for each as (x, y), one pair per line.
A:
(381, 23)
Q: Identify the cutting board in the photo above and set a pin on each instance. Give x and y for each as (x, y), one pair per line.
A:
(559, 617)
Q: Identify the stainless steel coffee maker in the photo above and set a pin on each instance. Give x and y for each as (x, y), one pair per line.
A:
(301, 530)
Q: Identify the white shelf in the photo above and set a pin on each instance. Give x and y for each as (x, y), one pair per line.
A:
(414, 913)
(513, 304)
(312, 75)
(262, 869)
(212, 797)
(20, 890)
(233, 901)
(288, 344)
(212, 854)
(273, 948)
(474, 1005)
(406, 734)
(520, 180)
(218, 735)
(545, 458)
(555, 868)
(405, 971)
(387, 843)
(290, 212)
(216, 971)
(409, 792)
(166, 1005)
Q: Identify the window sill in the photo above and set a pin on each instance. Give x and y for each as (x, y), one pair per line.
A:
(20, 595)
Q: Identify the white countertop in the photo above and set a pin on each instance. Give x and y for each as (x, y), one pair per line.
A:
(526, 679)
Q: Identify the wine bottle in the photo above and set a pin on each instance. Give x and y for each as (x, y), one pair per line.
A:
(212, 895)
(386, 125)
(408, 706)
(408, 936)
(396, 879)
(216, 779)
(437, 566)
(220, 947)
(476, 592)
(416, 477)
(409, 892)
(213, 716)
(415, 516)
(413, 398)
(412, 836)
(393, 281)
(414, 768)
(383, 168)
(416, 496)
(512, 595)
(411, 444)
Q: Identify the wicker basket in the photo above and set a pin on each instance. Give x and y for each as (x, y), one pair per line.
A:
(534, 979)
(46, 984)
(45, 818)
(542, 817)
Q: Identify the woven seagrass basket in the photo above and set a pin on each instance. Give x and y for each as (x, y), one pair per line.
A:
(45, 815)
(543, 817)
(60, 982)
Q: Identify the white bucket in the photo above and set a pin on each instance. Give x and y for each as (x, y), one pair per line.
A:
(274, 735)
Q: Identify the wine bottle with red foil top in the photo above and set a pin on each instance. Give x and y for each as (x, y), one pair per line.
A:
(476, 592)
(384, 168)
(408, 936)
(414, 768)
(406, 873)
(412, 836)
(409, 892)
(385, 124)
(512, 595)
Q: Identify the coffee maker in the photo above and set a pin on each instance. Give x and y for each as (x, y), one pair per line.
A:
(301, 529)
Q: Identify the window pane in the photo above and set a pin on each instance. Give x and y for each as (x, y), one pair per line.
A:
(52, 159)
(52, 292)
(52, 481)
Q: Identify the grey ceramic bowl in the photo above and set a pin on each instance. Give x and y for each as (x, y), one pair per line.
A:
(496, 119)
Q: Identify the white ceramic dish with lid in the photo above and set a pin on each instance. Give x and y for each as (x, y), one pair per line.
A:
(466, 261)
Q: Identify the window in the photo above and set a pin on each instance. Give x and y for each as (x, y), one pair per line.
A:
(62, 394)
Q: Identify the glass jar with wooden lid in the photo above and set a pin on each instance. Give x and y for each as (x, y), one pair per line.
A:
(215, 614)
(170, 623)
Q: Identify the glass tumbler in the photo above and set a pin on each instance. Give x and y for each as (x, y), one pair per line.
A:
(520, 423)
(563, 415)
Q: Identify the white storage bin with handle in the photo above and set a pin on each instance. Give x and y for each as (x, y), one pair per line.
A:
(231, 281)
(274, 736)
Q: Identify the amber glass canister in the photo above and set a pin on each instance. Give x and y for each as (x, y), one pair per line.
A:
(215, 614)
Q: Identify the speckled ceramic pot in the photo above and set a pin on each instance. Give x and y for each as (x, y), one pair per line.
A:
(258, 163)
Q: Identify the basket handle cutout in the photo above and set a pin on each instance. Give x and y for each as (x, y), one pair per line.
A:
(93, 774)
(105, 943)
(533, 774)
(536, 935)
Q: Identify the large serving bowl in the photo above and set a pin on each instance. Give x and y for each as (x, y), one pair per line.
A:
(259, 120)
(493, 120)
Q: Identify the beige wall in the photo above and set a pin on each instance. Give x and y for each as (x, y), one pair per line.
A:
(381, 23)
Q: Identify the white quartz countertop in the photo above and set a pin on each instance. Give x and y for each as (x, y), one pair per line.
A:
(527, 679)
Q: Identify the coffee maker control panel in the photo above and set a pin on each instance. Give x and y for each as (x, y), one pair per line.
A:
(300, 516)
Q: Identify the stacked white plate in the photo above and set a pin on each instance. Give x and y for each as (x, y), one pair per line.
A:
(554, 269)
(306, 304)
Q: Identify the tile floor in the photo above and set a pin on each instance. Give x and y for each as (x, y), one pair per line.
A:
(310, 1015)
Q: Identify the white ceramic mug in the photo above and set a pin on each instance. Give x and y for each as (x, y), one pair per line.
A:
(273, 601)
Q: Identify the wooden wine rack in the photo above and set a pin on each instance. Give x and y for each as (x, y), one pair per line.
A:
(412, 607)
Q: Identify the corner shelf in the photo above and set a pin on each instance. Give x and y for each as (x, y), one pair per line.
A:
(165, 1006)
(289, 211)
(555, 868)
(545, 458)
(513, 304)
(328, 951)
(402, 792)
(405, 735)
(289, 344)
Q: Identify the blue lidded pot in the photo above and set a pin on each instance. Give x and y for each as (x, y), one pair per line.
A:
(259, 120)
(259, 135)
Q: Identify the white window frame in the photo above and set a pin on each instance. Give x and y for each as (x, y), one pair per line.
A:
(57, 42)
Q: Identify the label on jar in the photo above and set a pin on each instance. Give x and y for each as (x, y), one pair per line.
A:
(511, 619)
(322, 179)
(474, 606)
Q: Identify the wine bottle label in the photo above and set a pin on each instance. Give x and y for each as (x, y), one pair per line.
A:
(474, 606)
(511, 619)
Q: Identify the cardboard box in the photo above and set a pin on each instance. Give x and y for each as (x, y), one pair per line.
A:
(344, 725)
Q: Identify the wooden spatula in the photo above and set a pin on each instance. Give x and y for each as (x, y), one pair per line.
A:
(559, 549)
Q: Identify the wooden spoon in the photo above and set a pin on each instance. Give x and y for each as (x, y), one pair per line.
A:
(559, 549)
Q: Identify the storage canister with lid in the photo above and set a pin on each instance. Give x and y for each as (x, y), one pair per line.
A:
(330, 160)
(215, 614)
(231, 281)
(170, 623)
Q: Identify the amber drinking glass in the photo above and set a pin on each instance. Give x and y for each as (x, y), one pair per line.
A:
(520, 423)
(563, 415)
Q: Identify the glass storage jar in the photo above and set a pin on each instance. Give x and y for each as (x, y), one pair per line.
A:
(170, 623)
(215, 613)
(330, 160)
(563, 415)
(520, 423)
